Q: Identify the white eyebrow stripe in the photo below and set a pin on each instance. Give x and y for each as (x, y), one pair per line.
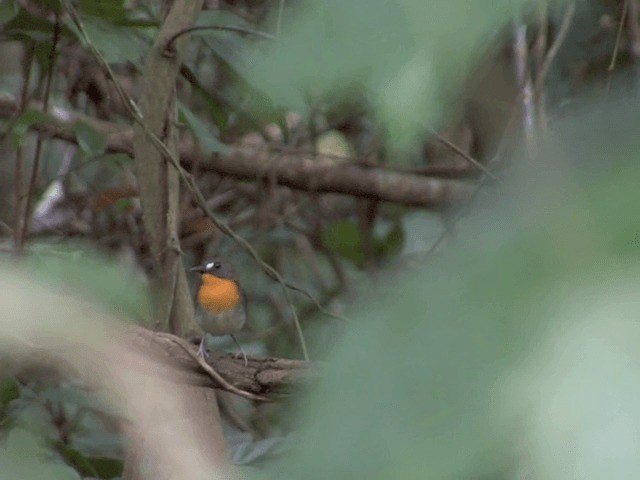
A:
(209, 266)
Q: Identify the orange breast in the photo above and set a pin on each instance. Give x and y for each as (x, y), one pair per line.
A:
(218, 294)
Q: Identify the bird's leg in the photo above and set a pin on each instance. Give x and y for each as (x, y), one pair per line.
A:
(201, 349)
(244, 355)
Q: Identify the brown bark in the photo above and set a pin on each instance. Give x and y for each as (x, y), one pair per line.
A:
(158, 181)
(431, 187)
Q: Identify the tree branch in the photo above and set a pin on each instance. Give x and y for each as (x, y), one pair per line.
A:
(261, 376)
(158, 181)
(299, 171)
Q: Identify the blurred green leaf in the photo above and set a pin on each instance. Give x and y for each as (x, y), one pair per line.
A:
(25, 26)
(98, 467)
(391, 242)
(109, 10)
(8, 10)
(409, 57)
(117, 160)
(225, 44)
(207, 98)
(202, 132)
(221, 18)
(23, 456)
(512, 354)
(343, 237)
(91, 142)
(9, 390)
(118, 44)
(26, 120)
(120, 290)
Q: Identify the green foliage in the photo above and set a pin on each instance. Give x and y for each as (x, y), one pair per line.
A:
(24, 456)
(86, 273)
(8, 10)
(91, 142)
(9, 390)
(26, 120)
(227, 46)
(345, 238)
(109, 10)
(116, 43)
(201, 131)
(408, 57)
(515, 351)
(25, 26)
(98, 467)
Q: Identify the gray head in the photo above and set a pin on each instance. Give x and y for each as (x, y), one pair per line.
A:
(218, 268)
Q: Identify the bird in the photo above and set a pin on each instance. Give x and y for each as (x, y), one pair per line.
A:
(221, 301)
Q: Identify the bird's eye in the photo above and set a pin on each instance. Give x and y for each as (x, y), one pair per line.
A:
(216, 265)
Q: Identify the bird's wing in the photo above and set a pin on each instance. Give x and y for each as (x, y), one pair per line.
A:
(245, 299)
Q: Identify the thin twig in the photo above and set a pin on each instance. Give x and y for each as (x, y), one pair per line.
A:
(465, 155)
(555, 46)
(18, 182)
(616, 47)
(523, 77)
(634, 28)
(189, 181)
(279, 19)
(226, 28)
(465, 208)
(38, 150)
(539, 52)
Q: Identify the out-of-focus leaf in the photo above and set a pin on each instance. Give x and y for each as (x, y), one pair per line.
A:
(109, 10)
(91, 142)
(93, 440)
(9, 390)
(116, 43)
(409, 57)
(8, 10)
(119, 289)
(24, 26)
(222, 18)
(205, 137)
(118, 160)
(23, 456)
(225, 44)
(391, 242)
(27, 119)
(213, 103)
(98, 467)
(343, 237)
(513, 354)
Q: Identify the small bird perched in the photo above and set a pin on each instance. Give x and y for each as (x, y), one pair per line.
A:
(222, 302)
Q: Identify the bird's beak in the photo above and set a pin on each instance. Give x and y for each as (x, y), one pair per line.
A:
(199, 269)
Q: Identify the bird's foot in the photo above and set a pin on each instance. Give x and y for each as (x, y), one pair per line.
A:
(202, 351)
(237, 355)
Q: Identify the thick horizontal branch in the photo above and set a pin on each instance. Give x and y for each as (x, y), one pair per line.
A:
(304, 172)
(261, 376)
(314, 173)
